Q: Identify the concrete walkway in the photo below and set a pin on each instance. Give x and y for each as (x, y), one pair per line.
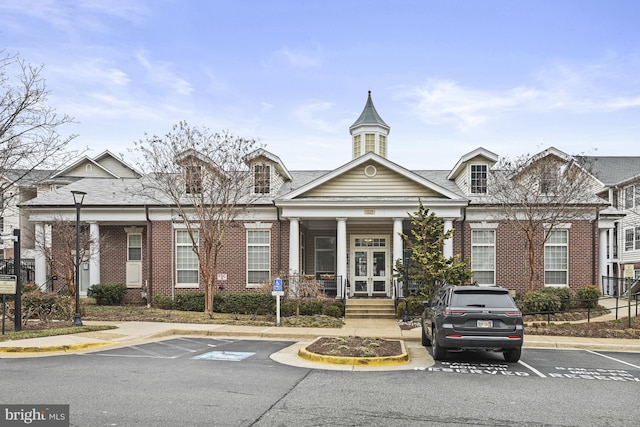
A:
(133, 333)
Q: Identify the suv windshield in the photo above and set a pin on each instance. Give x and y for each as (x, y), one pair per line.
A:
(479, 298)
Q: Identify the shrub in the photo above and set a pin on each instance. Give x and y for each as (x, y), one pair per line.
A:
(588, 296)
(163, 302)
(540, 301)
(563, 295)
(46, 307)
(287, 308)
(107, 293)
(333, 311)
(189, 301)
(244, 303)
(311, 308)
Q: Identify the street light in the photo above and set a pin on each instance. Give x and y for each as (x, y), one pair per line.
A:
(78, 198)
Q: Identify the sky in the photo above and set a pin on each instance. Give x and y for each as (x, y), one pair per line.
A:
(513, 77)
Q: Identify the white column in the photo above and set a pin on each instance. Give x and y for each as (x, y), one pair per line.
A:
(294, 246)
(602, 256)
(397, 248)
(94, 254)
(447, 249)
(341, 255)
(40, 257)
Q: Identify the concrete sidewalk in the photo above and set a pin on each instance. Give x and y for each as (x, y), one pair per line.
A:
(132, 333)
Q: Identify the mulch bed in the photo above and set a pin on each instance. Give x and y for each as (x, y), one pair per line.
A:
(355, 347)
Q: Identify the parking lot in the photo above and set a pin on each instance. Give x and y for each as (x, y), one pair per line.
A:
(548, 364)
(545, 364)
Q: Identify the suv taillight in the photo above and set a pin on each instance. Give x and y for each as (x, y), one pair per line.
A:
(513, 313)
(447, 312)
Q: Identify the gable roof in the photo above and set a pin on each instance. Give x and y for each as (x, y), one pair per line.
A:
(99, 161)
(369, 157)
(261, 152)
(478, 152)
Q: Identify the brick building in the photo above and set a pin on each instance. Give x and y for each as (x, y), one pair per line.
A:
(341, 225)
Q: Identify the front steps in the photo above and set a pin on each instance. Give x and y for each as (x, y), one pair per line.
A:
(370, 308)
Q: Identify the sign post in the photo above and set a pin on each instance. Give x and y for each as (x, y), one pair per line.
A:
(277, 292)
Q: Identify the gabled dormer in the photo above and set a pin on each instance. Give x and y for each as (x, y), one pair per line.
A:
(369, 133)
(105, 165)
(472, 171)
(268, 171)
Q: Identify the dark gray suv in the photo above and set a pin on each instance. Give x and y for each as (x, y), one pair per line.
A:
(473, 318)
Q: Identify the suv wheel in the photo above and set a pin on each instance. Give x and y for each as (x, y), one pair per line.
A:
(439, 353)
(425, 340)
(512, 355)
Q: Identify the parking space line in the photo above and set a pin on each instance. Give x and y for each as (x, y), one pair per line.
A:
(532, 369)
(613, 358)
(166, 344)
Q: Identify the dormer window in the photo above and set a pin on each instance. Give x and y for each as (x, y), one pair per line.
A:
(193, 179)
(262, 179)
(548, 182)
(479, 179)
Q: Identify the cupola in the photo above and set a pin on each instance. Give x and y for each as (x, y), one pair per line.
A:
(369, 133)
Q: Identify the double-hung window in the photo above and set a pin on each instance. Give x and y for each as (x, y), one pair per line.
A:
(632, 238)
(479, 179)
(134, 247)
(262, 179)
(187, 266)
(483, 256)
(556, 257)
(258, 257)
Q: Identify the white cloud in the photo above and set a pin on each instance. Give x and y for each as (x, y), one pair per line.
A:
(299, 58)
(560, 88)
(312, 115)
(160, 72)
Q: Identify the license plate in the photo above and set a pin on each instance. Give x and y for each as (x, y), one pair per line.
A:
(485, 323)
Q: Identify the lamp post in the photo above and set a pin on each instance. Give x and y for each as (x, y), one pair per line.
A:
(78, 198)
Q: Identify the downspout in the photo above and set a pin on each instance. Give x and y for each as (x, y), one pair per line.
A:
(462, 232)
(279, 238)
(149, 256)
(594, 257)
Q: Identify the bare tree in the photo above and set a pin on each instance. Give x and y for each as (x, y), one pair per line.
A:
(535, 194)
(60, 249)
(204, 177)
(29, 138)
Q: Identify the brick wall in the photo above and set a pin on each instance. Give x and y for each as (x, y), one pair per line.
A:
(231, 260)
(512, 264)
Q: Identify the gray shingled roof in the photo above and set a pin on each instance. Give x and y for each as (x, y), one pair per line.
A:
(613, 170)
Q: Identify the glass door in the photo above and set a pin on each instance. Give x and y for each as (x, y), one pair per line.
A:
(370, 267)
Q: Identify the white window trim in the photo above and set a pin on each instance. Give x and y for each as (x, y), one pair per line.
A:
(486, 183)
(258, 226)
(177, 228)
(129, 246)
(544, 276)
(486, 227)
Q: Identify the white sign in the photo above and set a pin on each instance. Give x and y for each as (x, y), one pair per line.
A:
(8, 284)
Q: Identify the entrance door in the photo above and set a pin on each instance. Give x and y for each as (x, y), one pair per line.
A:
(370, 266)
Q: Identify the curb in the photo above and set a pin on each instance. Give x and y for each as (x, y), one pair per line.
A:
(55, 348)
(402, 358)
